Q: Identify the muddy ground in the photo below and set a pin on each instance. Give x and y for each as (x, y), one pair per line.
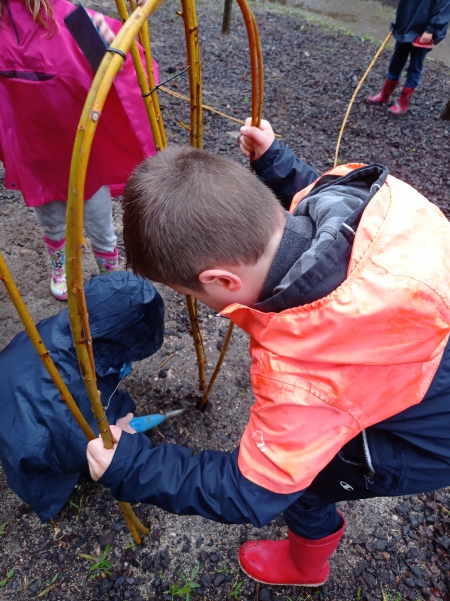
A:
(393, 548)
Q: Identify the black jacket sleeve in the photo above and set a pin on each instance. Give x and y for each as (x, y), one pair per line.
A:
(208, 484)
(438, 23)
(283, 172)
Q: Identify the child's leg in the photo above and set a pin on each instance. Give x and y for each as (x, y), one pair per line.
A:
(398, 60)
(414, 72)
(52, 219)
(415, 67)
(310, 520)
(99, 226)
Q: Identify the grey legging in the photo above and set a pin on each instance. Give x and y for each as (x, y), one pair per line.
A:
(98, 220)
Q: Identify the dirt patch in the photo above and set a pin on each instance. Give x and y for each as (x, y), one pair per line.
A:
(311, 73)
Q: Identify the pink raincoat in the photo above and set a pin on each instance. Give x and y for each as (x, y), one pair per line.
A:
(44, 81)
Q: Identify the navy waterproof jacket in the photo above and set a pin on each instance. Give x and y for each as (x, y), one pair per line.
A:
(210, 483)
(415, 17)
(42, 450)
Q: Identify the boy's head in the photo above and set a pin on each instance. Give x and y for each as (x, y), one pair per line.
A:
(201, 224)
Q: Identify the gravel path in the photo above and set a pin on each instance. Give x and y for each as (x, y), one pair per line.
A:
(394, 548)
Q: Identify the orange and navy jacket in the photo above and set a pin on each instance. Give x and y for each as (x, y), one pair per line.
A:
(325, 366)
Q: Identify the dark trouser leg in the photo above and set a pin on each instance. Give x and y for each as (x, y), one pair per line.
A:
(415, 66)
(398, 60)
(312, 521)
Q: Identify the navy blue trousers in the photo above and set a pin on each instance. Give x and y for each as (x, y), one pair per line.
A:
(407, 454)
(398, 62)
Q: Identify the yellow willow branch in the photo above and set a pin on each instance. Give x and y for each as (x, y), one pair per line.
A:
(260, 70)
(225, 346)
(33, 334)
(358, 87)
(195, 83)
(90, 116)
(88, 123)
(198, 343)
(205, 106)
(144, 86)
(144, 36)
(250, 25)
(132, 522)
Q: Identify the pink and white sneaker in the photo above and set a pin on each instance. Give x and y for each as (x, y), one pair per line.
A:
(57, 252)
(107, 261)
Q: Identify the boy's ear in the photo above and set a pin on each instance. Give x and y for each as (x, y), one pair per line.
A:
(221, 277)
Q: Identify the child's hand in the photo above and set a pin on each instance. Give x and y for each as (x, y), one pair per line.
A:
(104, 29)
(124, 423)
(98, 457)
(254, 141)
(426, 38)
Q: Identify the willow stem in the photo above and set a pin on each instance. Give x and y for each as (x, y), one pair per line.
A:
(88, 123)
(126, 512)
(205, 106)
(142, 80)
(144, 36)
(223, 352)
(250, 25)
(198, 343)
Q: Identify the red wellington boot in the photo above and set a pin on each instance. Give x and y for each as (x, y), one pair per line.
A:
(298, 561)
(402, 104)
(385, 94)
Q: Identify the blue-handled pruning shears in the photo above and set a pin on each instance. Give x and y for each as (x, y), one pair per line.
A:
(147, 422)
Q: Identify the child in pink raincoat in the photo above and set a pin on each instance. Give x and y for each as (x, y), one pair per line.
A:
(44, 81)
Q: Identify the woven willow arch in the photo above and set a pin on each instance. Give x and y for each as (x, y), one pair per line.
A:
(134, 25)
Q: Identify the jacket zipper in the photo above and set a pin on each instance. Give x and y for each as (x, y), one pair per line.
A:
(368, 477)
(349, 461)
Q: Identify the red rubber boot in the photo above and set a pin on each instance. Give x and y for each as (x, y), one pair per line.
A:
(385, 94)
(402, 104)
(297, 561)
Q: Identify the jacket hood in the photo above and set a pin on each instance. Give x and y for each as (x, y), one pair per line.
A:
(126, 318)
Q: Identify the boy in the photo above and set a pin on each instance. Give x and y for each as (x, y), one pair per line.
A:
(346, 300)
(422, 21)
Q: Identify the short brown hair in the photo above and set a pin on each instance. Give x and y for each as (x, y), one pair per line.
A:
(187, 210)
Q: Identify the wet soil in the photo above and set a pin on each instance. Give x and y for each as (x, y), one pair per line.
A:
(393, 547)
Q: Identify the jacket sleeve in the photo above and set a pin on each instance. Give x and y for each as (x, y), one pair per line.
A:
(207, 484)
(283, 172)
(440, 17)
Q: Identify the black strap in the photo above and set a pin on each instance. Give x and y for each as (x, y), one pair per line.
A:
(164, 82)
(117, 51)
